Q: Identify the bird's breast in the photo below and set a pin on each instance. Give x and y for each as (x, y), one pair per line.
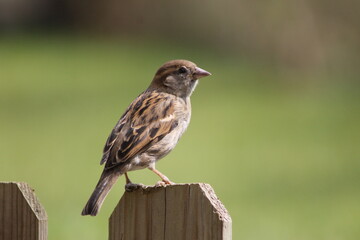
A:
(168, 143)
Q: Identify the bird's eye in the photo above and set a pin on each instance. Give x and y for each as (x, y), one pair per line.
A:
(182, 70)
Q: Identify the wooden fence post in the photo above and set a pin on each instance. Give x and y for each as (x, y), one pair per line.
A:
(21, 215)
(181, 211)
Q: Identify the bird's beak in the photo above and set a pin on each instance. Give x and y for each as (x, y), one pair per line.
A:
(199, 73)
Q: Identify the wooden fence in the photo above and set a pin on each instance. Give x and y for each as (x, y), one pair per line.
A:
(21, 215)
(181, 211)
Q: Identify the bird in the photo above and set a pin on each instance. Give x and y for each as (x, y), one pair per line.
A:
(149, 129)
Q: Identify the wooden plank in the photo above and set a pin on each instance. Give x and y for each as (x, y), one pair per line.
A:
(180, 211)
(21, 215)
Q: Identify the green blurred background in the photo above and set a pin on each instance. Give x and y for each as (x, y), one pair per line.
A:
(275, 130)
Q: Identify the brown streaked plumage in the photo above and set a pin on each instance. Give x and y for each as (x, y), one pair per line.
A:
(149, 129)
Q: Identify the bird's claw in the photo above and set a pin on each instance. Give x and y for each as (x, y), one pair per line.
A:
(163, 183)
(130, 187)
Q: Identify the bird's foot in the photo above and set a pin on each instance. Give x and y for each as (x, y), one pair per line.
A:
(130, 187)
(166, 180)
(163, 183)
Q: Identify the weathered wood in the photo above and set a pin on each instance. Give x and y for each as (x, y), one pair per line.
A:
(21, 215)
(181, 211)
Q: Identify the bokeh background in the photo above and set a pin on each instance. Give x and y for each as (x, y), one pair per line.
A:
(275, 130)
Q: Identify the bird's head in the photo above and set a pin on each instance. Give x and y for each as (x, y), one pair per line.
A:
(178, 77)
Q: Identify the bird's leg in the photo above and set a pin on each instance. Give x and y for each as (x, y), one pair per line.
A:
(127, 179)
(164, 178)
(129, 186)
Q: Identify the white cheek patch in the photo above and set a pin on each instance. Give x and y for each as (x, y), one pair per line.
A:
(169, 81)
(193, 87)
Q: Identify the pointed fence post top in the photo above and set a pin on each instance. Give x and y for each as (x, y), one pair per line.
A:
(22, 214)
(29, 195)
(179, 211)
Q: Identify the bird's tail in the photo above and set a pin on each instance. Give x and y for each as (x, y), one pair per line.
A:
(107, 180)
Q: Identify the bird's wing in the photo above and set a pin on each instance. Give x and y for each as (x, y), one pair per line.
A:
(149, 118)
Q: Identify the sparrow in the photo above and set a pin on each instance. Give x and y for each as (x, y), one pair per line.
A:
(149, 129)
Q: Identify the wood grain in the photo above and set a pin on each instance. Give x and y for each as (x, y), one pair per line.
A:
(21, 215)
(180, 211)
